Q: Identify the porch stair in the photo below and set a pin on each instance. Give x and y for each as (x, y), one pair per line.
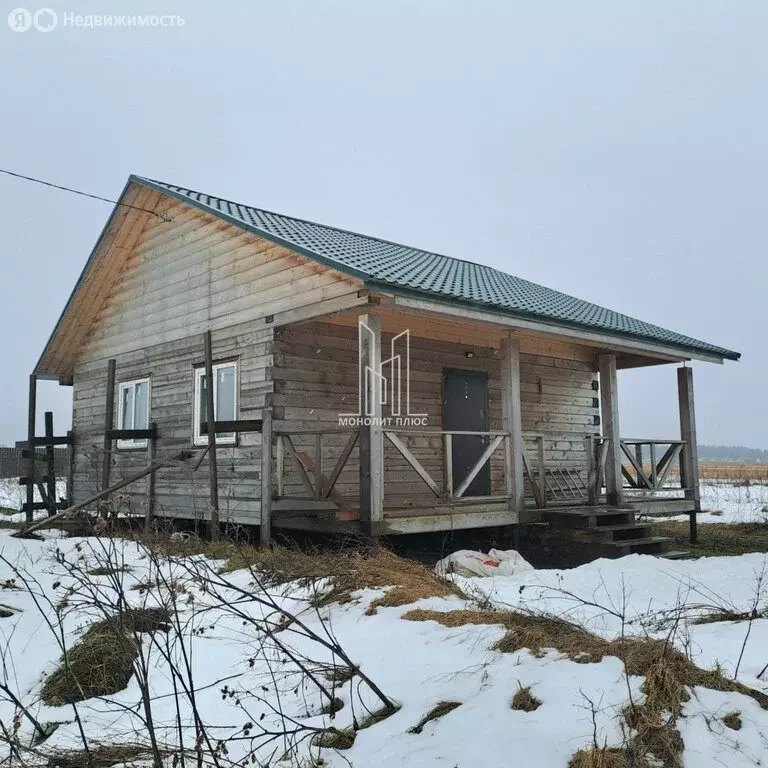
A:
(601, 531)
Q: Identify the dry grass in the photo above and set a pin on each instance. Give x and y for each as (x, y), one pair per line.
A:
(662, 665)
(524, 700)
(718, 540)
(601, 757)
(338, 674)
(107, 570)
(438, 711)
(101, 662)
(333, 706)
(733, 721)
(719, 616)
(734, 472)
(365, 565)
(669, 676)
(100, 757)
(335, 739)
(377, 716)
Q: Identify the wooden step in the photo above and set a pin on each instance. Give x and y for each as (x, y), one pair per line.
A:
(648, 545)
(624, 531)
(676, 554)
(639, 541)
(591, 518)
(589, 511)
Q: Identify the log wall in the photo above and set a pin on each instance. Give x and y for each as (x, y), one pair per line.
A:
(181, 278)
(316, 379)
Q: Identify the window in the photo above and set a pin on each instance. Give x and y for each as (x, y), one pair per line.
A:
(133, 402)
(224, 401)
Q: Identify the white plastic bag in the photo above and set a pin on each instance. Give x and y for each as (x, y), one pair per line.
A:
(497, 562)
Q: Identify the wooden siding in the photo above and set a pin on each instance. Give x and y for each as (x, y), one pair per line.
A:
(196, 273)
(181, 278)
(316, 379)
(179, 492)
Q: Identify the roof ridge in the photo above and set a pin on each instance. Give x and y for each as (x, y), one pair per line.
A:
(325, 226)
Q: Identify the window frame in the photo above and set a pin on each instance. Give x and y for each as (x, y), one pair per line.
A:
(133, 444)
(230, 438)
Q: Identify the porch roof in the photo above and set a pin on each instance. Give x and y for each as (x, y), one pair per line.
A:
(384, 264)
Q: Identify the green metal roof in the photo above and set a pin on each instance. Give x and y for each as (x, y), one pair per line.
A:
(384, 263)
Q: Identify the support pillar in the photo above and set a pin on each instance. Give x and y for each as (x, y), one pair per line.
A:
(371, 434)
(265, 527)
(609, 407)
(210, 410)
(50, 466)
(512, 424)
(109, 423)
(689, 465)
(31, 468)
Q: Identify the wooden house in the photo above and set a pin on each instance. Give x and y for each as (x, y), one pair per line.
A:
(357, 383)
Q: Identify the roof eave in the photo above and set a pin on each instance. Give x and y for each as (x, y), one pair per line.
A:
(680, 351)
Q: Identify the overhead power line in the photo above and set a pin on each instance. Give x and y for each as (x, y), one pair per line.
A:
(82, 194)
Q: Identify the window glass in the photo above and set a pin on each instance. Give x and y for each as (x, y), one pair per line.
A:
(141, 405)
(133, 410)
(126, 410)
(224, 401)
(225, 393)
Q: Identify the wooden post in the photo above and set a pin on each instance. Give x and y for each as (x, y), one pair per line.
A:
(592, 489)
(71, 469)
(279, 465)
(151, 450)
(448, 465)
(50, 465)
(109, 423)
(690, 454)
(31, 414)
(609, 406)
(211, 422)
(265, 527)
(511, 417)
(639, 459)
(541, 462)
(371, 434)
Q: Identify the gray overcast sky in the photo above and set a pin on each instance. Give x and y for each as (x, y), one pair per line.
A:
(614, 151)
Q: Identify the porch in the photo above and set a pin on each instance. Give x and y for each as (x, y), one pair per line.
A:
(381, 474)
(652, 472)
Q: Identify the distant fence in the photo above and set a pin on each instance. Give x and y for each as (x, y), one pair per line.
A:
(12, 465)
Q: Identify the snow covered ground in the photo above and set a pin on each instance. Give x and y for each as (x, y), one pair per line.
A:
(13, 495)
(418, 664)
(737, 503)
(726, 502)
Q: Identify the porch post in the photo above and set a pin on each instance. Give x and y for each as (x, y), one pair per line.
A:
(371, 434)
(31, 462)
(512, 425)
(265, 527)
(609, 407)
(210, 420)
(690, 456)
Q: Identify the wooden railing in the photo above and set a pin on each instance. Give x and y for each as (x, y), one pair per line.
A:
(648, 469)
(560, 482)
(310, 465)
(648, 465)
(449, 487)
